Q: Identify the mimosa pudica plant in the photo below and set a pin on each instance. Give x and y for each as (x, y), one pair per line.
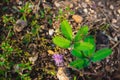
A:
(82, 45)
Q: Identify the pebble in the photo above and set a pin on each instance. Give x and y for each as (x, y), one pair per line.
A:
(118, 11)
(71, 6)
(84, 5)
(114, 20)
(50, 52)
(107, 68)
(19, 2)
(51, 31)
(77, 18)
(115, 38)
(91, 10)
(111, 7)
(79, 11)
(85, 10)
(57, 4)
(87, 1)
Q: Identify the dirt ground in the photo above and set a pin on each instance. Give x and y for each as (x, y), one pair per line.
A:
(34, 45)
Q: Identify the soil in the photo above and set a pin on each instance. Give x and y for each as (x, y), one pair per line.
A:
(102, 17)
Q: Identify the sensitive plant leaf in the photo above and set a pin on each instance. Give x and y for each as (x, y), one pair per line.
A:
(91, 40)
(101, 54)
(76, 53)
(79, 63)
(83, 46)
(61, 42)
(86, 62)
(66, 29)
(83, 31)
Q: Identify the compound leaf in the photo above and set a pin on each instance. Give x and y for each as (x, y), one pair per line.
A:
(66, 29)
(83, 31)
(83, 46)
(76, 53)
(101, 54)
(91, 40)
(79, 63)
(61, 42)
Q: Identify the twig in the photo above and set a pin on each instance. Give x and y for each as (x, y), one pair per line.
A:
(85, 73)
(116, 44)
(8, 34)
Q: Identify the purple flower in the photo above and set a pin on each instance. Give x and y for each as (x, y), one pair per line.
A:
(58, 58)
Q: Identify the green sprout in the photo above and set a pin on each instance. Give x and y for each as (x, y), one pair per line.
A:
(82, 45)
(63, 12)
(26, 10)
(7, 19)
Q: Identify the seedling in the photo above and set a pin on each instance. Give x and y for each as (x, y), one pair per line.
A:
(62, 13)
(82, 45)
(6, 64)
(25, 10)
(7, 19)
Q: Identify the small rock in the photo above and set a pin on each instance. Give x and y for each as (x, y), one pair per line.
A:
(57, 4)
(79, 11)
(19, 2)
(87, 1)
(77, 18)
(111, 7)
(92, 11)
(114, 20)
(85, 10)
(51, 31)
(84, 5)
(100, 4)
(107, 68)
(50, 52)
(115, 38)
(71, 6)
(118, 11)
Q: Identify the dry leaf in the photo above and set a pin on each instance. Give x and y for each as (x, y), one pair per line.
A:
(20, 24)
(62, 74)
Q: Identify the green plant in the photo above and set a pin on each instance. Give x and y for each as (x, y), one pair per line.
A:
(82, 45)
(6, 64)
(42, 14)
(19, 68)
(7, 19)
(6, 1)
(26, 10)
(62, 13)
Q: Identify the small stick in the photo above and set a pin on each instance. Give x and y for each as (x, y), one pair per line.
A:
(116, 44)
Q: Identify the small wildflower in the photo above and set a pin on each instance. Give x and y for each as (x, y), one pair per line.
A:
(58, 59)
